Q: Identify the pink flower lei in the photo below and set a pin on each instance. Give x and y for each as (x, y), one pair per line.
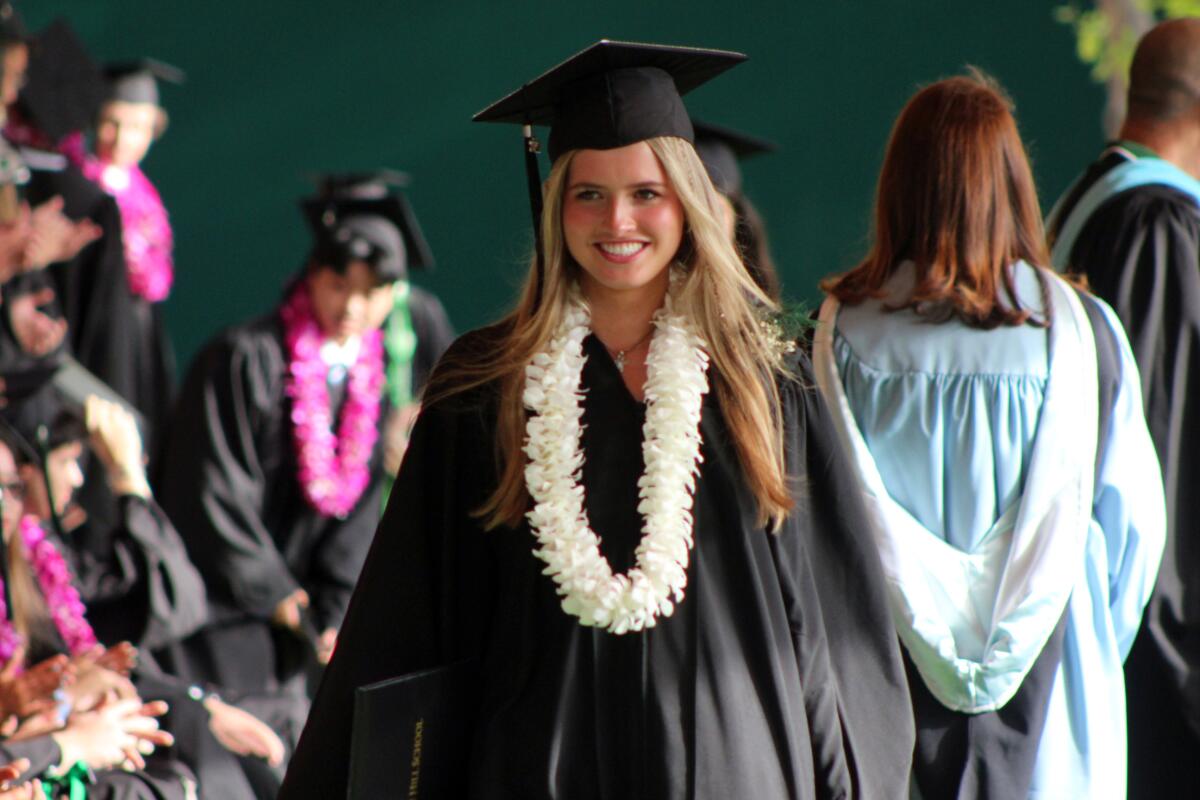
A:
(145, 227)
(54, 577)
(333, 471)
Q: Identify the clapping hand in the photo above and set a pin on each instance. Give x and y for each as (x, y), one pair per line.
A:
(10, 789)
(32, 691)
(54, 237)
(36, 331)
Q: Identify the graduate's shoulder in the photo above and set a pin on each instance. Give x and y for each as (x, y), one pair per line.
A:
(797, 380)
(1149, 205)
(453, 385)
(256, 343)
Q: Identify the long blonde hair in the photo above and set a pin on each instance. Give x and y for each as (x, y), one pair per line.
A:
(717, 295)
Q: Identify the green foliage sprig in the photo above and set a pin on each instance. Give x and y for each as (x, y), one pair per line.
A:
(1107, 44)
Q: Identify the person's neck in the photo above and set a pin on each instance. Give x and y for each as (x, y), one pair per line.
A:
(621, 319)
(1178, 144)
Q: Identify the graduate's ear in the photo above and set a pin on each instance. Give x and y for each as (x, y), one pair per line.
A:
(160, 124)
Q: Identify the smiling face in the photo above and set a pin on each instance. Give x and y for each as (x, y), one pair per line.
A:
(125, 131)
(622, 221)
(349, 303)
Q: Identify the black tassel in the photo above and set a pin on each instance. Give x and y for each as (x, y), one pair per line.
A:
(534, 178)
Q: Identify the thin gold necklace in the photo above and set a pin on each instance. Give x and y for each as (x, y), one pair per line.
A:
(618, 356)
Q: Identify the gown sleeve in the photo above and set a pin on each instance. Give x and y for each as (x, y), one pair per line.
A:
(434, 334)
(852, 673)
(1141, 253)
(338, 556)
(421, 599)
(1129, 504)
(137, 580)
(213, 480)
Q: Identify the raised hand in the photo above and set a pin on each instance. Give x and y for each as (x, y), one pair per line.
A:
(36, 332)
(118, 444)
(54, 237)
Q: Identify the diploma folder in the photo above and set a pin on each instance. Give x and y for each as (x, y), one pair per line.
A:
(411, 737)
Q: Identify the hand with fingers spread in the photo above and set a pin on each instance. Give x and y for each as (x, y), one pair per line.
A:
(115, 733)
(37, 332)
(243, 733)
(118, 444)
(31, 691)
(54, 237)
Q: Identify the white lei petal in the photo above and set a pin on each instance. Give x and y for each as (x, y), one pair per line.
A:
(675, 386)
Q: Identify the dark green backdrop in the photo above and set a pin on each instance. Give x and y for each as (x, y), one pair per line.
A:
(277, 90)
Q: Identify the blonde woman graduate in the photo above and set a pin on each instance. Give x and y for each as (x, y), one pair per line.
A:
(625, 505)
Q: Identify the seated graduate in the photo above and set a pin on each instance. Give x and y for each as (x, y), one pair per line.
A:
(62, 91)
(995, 416)
(135, 581)
(721, 149)
(275, 455)
(77, 718)
(625, 504)
(417, 330)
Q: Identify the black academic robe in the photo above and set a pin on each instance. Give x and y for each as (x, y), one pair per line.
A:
(231, 489)
(1140, 252)
(118, 336)
(778, 676)
(135, 577)
(433, 331)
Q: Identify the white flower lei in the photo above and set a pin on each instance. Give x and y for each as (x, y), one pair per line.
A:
(675, 387)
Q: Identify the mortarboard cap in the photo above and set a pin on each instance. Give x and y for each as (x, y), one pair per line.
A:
(64, 87)
(12, 27)
(358, 215)
(721, 149)
(137, 81)
(51, 390)
(613, 94)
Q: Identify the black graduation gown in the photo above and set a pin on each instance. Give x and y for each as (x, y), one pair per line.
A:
(778, 676)
(433, 331)
(230, 487)
(1141, 254)
(118, 336)
(135, 577)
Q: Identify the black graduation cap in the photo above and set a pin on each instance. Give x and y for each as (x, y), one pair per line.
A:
(12, 27)
(63, 88)
(721, 149)
(137, 81)
(608, 95)
(48, 388)
(359, 214)
(613, 94)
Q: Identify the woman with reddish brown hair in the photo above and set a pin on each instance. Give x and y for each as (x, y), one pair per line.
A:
(994, 416)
